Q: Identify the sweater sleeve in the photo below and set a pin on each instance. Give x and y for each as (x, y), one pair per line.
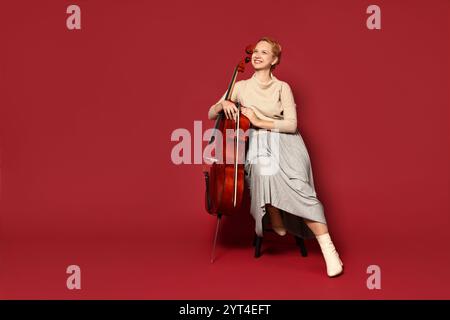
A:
(289, 122)
(211, 113)
(234, 97)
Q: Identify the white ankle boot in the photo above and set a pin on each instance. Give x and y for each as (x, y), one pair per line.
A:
(332, 260)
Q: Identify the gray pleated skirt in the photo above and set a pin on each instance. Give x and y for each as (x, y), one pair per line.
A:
(278, 172)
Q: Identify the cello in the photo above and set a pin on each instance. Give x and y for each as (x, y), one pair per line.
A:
(225, 180)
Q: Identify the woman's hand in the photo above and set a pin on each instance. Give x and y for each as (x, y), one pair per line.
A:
(250, 114)
(229, 108)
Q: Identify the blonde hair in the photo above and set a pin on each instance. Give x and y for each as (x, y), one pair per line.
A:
(276, 49)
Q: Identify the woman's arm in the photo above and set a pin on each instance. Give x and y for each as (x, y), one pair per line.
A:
(223, 104)
(264, 124)
(289, 122)
(214, 111)
(229, 108)
(255, 121)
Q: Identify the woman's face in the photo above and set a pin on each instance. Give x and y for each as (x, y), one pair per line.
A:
(262, 57)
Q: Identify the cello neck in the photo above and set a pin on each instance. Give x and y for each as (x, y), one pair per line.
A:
(231, 85)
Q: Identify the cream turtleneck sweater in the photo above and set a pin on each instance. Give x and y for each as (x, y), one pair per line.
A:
(272, 101)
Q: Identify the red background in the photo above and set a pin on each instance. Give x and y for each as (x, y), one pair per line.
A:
(86, 175)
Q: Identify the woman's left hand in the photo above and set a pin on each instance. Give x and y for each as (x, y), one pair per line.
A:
(250, 114)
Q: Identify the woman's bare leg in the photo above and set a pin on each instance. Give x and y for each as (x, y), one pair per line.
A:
(317, 228)
(276, 220)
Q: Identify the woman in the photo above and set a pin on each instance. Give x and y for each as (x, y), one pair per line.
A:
(284, 190)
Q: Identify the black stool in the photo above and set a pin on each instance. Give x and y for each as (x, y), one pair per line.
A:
(257, 242)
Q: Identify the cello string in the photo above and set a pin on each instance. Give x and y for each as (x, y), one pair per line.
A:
(236, 143)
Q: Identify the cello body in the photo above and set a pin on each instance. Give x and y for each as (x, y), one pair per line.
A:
(225, 180)
(225, 176)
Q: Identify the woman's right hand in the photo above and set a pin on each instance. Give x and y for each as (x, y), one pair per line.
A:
(229, 108)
